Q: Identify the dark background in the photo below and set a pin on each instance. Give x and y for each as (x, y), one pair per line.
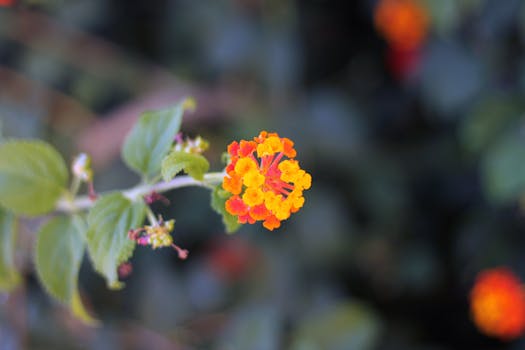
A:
(417, 177)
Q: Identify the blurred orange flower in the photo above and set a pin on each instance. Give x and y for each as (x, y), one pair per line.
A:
(497, 303)
(7, 2)
(403, 23)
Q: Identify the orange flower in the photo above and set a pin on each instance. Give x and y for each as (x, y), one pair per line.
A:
(497, 303)
(403, 23)
(264, 186)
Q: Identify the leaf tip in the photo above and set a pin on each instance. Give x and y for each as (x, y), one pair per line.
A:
(116, 285)
(78, 310)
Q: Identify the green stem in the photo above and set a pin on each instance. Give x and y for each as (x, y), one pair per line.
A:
(136, 193)
(75, 186)
(151, 217)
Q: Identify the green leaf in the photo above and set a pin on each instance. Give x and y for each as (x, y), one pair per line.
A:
(58, 255)
(108, 244)
(33, 176)
(193, 164)
(59, 249)
(503, 168)
(218, 199)
(151, 138)
(487, 120)
(78, 309)
(9, 277)
(349, 325)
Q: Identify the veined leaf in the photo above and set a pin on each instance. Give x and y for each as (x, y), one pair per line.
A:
(193, 164)
(151, 138)
(58, 255)
(108, 244)
(78, 309)
(218, 200)
(9, 277)
(33, 176)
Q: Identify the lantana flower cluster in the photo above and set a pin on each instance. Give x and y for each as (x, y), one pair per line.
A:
(497, 303)
(265, 180)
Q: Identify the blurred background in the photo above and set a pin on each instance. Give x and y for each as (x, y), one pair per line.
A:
(415, 143)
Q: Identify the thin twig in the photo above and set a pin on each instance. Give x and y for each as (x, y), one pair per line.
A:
(83, 202)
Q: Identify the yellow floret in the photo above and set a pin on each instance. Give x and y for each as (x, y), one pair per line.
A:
(303, 180)
(289, 166)
(297, 199)
(282, 212)
(289, 169)
(253, 196)
(272, 200)
(245, 165)
(264, 149)
(275, 144)
(253, 178)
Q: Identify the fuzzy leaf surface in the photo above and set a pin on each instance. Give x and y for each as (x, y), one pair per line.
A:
(194, 165)
(9, 276)
(33, 176)
(109, 221)
(58, 255)
(150, 139)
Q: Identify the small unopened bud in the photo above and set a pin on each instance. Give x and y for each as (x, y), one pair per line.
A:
(169, 225)
(133, 234)
(194, 146)
(143, 240)
(178, 138)
(81, 167)
(153, 197)
(189, 104)
(125, 269)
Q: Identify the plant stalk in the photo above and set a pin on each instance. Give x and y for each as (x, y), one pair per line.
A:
(83, 202)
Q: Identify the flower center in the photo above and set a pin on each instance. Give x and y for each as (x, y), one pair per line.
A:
(272, 174)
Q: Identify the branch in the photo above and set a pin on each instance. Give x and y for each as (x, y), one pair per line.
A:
(84, 202)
